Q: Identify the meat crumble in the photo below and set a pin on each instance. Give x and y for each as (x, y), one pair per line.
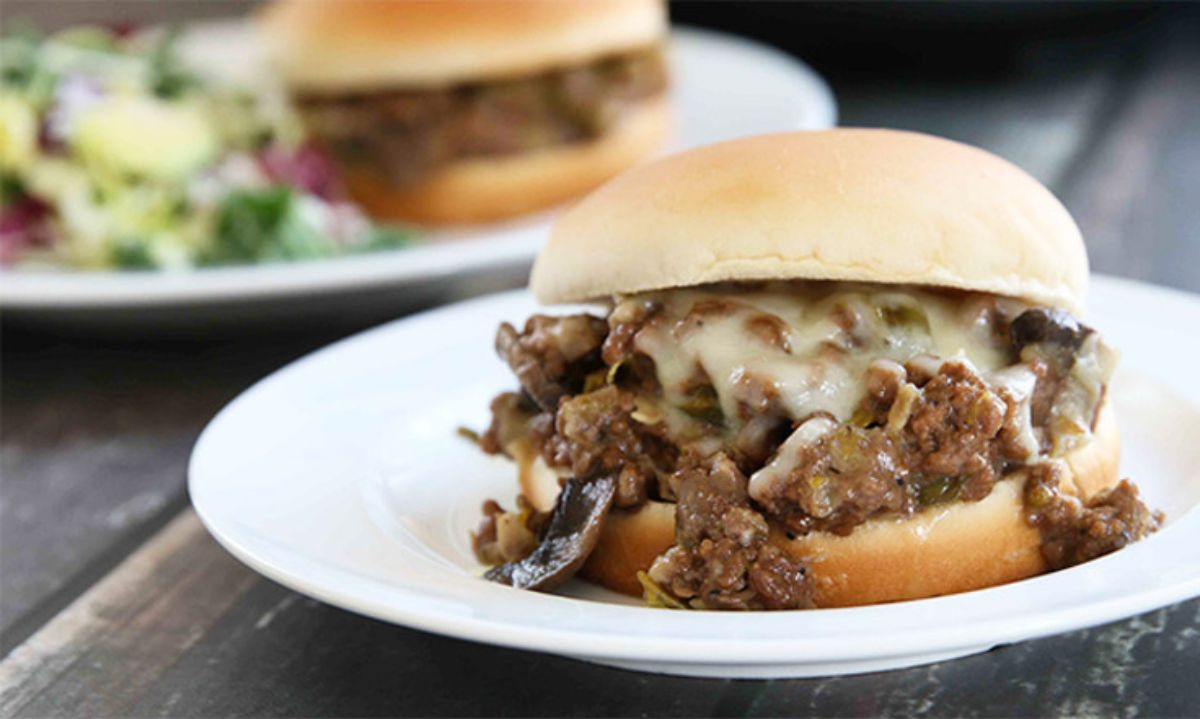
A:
(604, 398)
(722, 559)
(1074, 531)
(941, 445)
(412, 132)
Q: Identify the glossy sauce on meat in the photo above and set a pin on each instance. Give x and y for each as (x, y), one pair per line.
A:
(811, 407)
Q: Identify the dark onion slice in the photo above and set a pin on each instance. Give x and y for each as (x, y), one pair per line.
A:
(574, 529)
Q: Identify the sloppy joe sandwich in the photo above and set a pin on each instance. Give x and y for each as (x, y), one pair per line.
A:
(828, 369)
(450, 111)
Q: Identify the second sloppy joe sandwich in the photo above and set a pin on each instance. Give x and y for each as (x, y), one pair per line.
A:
(832, 368)
(452, 111)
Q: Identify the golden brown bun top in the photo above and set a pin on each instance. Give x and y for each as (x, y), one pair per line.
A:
(345, 45)
(845, 204)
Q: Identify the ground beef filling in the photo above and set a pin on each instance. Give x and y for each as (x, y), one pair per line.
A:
(409, 133)
(722, 559)
(596, 434)
(1074, 531)
(927, 441)
(927, 431)
(508, 536)
(553, 356)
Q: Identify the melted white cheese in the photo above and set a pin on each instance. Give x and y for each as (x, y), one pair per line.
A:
(833, 332)
(768, 479)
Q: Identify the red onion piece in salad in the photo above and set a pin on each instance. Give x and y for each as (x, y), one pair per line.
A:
(306, 168)
(23, 225)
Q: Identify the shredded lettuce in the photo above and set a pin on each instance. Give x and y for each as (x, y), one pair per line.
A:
(388, 237)
(132, 254)
(11, 188)
(270, 224)
(169, 78)
(255, 226)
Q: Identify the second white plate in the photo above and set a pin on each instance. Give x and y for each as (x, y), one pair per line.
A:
(723, 87)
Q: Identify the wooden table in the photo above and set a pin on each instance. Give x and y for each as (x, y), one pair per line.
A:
(116, 602)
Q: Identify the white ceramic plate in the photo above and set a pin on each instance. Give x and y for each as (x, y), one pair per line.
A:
(342, 477)
(724, 87)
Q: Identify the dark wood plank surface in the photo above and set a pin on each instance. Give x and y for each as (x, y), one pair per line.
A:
(96, 435)
(95, 439)
(1136, 192)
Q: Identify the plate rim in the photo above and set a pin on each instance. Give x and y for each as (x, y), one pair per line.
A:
(408, 606)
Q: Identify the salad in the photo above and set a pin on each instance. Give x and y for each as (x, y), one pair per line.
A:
(113, 154)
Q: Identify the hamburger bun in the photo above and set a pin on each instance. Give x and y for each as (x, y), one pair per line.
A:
(490, 188)
(363, 45)
(948, 548)
(855, 205)
(844, 204)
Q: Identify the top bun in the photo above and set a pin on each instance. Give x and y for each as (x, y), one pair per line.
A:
(845, 204)
(336, 46)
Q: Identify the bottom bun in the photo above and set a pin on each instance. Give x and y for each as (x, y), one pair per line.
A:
(481, 190)
(946, 549)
